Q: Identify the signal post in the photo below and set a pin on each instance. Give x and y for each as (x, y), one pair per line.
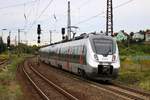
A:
(38, 41)
(8, 46)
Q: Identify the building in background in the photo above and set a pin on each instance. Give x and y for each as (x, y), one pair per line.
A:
(138, 36)
(121, 36)
(147, 36)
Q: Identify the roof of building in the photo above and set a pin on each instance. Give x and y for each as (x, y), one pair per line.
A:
(115, 34)
(147, 31)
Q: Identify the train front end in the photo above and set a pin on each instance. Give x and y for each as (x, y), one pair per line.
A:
(103, 58)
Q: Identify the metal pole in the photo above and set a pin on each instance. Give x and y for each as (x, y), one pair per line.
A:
(9, 33)
(109, 17)
(18, 36)
(9, 52)
(2, 34)
(50, 36)
(69, 22)
(25, 33)
(15, 40)
(2, 31)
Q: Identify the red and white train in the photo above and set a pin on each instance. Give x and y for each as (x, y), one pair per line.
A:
(94, 55)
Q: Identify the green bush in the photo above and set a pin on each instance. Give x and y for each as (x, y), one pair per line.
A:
(134, 49)
(9, 88)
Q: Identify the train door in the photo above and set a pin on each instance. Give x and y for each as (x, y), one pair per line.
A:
(67, 67)
(82, 59)
(56, 57)
(81, 53)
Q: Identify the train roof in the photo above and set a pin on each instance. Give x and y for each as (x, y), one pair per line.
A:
(82, 36)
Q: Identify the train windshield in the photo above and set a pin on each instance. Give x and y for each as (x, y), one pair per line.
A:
(103, 46)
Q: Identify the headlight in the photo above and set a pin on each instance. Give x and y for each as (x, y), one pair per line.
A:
(113, 58)
(96, 57)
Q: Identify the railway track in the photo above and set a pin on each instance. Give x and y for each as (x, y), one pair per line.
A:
(123, 91)
(141, 92)
(39, 81)
(126, 92)
(118, 89)
(3, 62)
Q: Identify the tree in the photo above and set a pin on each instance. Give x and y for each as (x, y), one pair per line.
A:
(143, 33)
(1, 47)
(131, 36)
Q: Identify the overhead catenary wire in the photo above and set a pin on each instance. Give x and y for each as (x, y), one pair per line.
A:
(25, 17)
(37, 8)
(103, 12)
(34, 22)
(29, 13)
(84, 4)
(118, 6)
(86, 20)
(44, 9)
(122, 4)
(17, 5)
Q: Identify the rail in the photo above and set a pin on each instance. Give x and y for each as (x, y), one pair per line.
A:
(44, 96)
(3, 62)
(115, 88)
(121, 90)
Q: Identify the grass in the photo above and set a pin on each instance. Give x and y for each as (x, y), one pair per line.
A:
(9, 88)
(3, 56)
(134, 49)
(135, 72)
(135, 65)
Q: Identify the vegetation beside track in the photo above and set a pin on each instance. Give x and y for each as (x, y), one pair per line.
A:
(9, 88)
(135, 65)
(3, 56)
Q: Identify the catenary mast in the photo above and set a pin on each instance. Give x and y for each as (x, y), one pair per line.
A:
(69, 22)
(109, 17)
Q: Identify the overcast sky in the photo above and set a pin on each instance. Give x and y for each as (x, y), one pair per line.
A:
(88, 15)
